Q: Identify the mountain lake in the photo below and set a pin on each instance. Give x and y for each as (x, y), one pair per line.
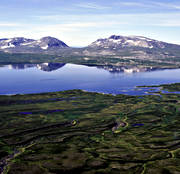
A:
(52, 77)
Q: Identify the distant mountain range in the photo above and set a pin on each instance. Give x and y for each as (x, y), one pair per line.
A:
(20, 44)
(119, 42)
(114, 46)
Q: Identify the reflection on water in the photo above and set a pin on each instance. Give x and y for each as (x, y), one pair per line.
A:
(112, 69)
(127, 69)
(50, 77)
(43, 66)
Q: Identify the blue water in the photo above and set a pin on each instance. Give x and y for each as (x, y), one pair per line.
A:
(70, 76)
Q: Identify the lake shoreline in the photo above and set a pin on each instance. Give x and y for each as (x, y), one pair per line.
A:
(163, 89)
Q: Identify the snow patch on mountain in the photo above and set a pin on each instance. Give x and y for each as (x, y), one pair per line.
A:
(45, 47)
(44, 43)
(8, 46)
(114, 42)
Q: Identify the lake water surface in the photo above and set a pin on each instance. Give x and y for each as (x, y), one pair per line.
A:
(38, 78)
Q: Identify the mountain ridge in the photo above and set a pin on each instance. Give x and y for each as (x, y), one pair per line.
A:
(116, 47)
(129, 41)
(44, 43)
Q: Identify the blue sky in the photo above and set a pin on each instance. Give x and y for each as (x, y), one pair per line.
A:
(80, 22)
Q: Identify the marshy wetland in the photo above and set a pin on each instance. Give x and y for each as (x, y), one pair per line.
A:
(90, 133)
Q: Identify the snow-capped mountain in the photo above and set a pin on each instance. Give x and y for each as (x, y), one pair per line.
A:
(20, 43)
(13, 42)
(121, 46)
(115, 42)
(46, 43)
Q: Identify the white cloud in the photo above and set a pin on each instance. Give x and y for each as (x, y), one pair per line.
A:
(76, 25)
(134, 4)
(9, 24)
(151, 4)
(110, 20)
(91, 6)
(168, 23)
(174, 6)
